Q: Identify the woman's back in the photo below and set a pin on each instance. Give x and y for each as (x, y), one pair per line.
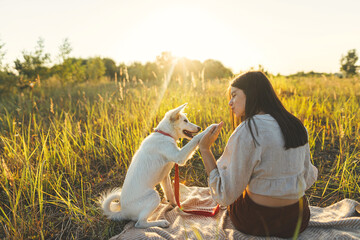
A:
(280, 173)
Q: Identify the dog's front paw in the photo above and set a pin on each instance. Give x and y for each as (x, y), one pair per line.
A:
(200, 135)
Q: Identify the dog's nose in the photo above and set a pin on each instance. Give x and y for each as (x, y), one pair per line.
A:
(199, 128)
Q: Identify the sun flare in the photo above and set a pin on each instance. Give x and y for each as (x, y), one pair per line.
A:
(190, 32)
(185, 32)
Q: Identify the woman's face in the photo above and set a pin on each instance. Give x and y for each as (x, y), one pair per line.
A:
(237, 101)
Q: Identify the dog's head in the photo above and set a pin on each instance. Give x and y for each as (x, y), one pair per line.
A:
(182, 127)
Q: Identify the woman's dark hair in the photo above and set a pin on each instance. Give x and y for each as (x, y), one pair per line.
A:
(261, 97)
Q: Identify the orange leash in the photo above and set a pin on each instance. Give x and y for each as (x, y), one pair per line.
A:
(177, 198)
(177, 189)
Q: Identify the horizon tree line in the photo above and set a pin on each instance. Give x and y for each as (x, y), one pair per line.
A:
(36, 65)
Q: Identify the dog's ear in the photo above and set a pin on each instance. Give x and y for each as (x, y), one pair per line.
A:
(175, 113)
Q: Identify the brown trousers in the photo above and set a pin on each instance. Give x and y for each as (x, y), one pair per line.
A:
(254, 219)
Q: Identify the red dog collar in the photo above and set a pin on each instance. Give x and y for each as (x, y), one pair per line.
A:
(164, 133)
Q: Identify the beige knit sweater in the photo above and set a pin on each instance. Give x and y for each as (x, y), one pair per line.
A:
(267, 169)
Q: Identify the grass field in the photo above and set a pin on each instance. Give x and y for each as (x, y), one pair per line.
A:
(61, 147)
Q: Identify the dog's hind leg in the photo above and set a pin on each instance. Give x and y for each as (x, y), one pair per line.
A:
(168, 190)
(148, 206)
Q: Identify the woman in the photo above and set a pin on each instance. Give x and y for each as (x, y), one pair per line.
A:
(265, 168)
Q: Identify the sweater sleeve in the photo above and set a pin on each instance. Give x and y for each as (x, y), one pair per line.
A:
(234, 167)
(310, 171)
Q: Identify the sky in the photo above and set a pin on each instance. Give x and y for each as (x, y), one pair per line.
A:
(284, 36)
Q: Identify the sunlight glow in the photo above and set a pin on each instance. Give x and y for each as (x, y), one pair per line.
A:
(188, 32)
(161, 94)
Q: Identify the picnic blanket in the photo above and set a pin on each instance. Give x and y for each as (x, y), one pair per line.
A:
(338, 221)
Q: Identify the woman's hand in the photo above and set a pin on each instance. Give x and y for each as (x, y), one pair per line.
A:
(209, 138)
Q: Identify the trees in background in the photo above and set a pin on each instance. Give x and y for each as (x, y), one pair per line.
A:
(110, 68)
(64, 50)
(186, 68)
(166, 64)
(136, 71)
(95, 69)
(70, 70)
(151, 71)
(215, 69)
(35, 65)
(348, 63)
(77, 70)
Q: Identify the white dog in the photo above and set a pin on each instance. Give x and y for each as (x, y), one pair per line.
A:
(150, 166)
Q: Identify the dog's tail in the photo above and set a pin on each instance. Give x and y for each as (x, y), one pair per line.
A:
(110, 204)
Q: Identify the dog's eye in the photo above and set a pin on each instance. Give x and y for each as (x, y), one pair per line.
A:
(185, 120)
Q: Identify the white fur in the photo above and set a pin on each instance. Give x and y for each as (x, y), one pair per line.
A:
(150, 166)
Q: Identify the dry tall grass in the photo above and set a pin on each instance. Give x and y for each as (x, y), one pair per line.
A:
(61, 147)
